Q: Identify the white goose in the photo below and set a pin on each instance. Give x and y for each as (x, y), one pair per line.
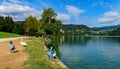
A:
(22, 43)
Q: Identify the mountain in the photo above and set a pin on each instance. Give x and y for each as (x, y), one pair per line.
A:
(20, 22)
(107, 27)
(77, 29)
(74, 27)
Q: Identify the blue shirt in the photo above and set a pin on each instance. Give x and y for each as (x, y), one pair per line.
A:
(51, 51)
(50, 55)
(11, 46)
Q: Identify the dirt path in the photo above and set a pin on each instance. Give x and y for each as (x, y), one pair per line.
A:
(12, 61)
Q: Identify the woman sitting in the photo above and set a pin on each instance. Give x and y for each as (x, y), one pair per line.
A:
(52, 53)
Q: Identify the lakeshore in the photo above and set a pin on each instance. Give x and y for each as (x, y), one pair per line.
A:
(34, 57)
(57, 60)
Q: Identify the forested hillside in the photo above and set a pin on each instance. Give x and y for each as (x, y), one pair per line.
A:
(77, 29)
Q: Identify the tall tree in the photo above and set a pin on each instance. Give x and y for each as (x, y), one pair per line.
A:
(41, 30)
(31, 25)
(48, 14)
(17, 28)
(50, 22)
(2, 22)
(9, 24)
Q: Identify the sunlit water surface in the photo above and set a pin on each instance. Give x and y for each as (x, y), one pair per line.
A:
(79, 52)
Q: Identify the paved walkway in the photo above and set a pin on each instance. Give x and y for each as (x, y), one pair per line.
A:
(8, 39)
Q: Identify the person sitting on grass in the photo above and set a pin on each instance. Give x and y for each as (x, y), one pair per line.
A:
(11, 46)
(51, 50)
(52, 53)
(49, 55)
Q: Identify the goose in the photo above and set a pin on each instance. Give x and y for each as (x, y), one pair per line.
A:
(22, 43)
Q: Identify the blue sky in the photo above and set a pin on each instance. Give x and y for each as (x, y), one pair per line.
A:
(93, 13)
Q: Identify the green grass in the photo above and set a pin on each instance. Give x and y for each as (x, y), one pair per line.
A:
(7, 68)
(38, 56)
(8, 35)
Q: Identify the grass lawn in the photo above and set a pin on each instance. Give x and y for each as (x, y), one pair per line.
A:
(38, 57)
(8, 35)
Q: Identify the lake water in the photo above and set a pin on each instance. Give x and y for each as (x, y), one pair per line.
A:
(78, 52)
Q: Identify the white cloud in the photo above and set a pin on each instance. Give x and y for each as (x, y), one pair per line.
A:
(62, 16)
(106, 20)
(17, 11)
(111, 14)
(65, 18)
(74, 10)
(110, 17)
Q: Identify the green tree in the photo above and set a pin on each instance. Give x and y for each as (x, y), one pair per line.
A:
(115, 32)
(2, 22)
(9, 24)
(56, 27)
(49, 21)
(17, 28)
(31, 25)
(41, 30)
(48, 15)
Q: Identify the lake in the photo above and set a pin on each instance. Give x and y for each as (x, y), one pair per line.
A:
(91, 52)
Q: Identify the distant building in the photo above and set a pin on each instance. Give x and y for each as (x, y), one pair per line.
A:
(62, 31)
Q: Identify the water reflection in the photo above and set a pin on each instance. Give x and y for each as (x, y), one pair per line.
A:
(79, 52)
(70, 40)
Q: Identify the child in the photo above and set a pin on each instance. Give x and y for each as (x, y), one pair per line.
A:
(11, 46)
